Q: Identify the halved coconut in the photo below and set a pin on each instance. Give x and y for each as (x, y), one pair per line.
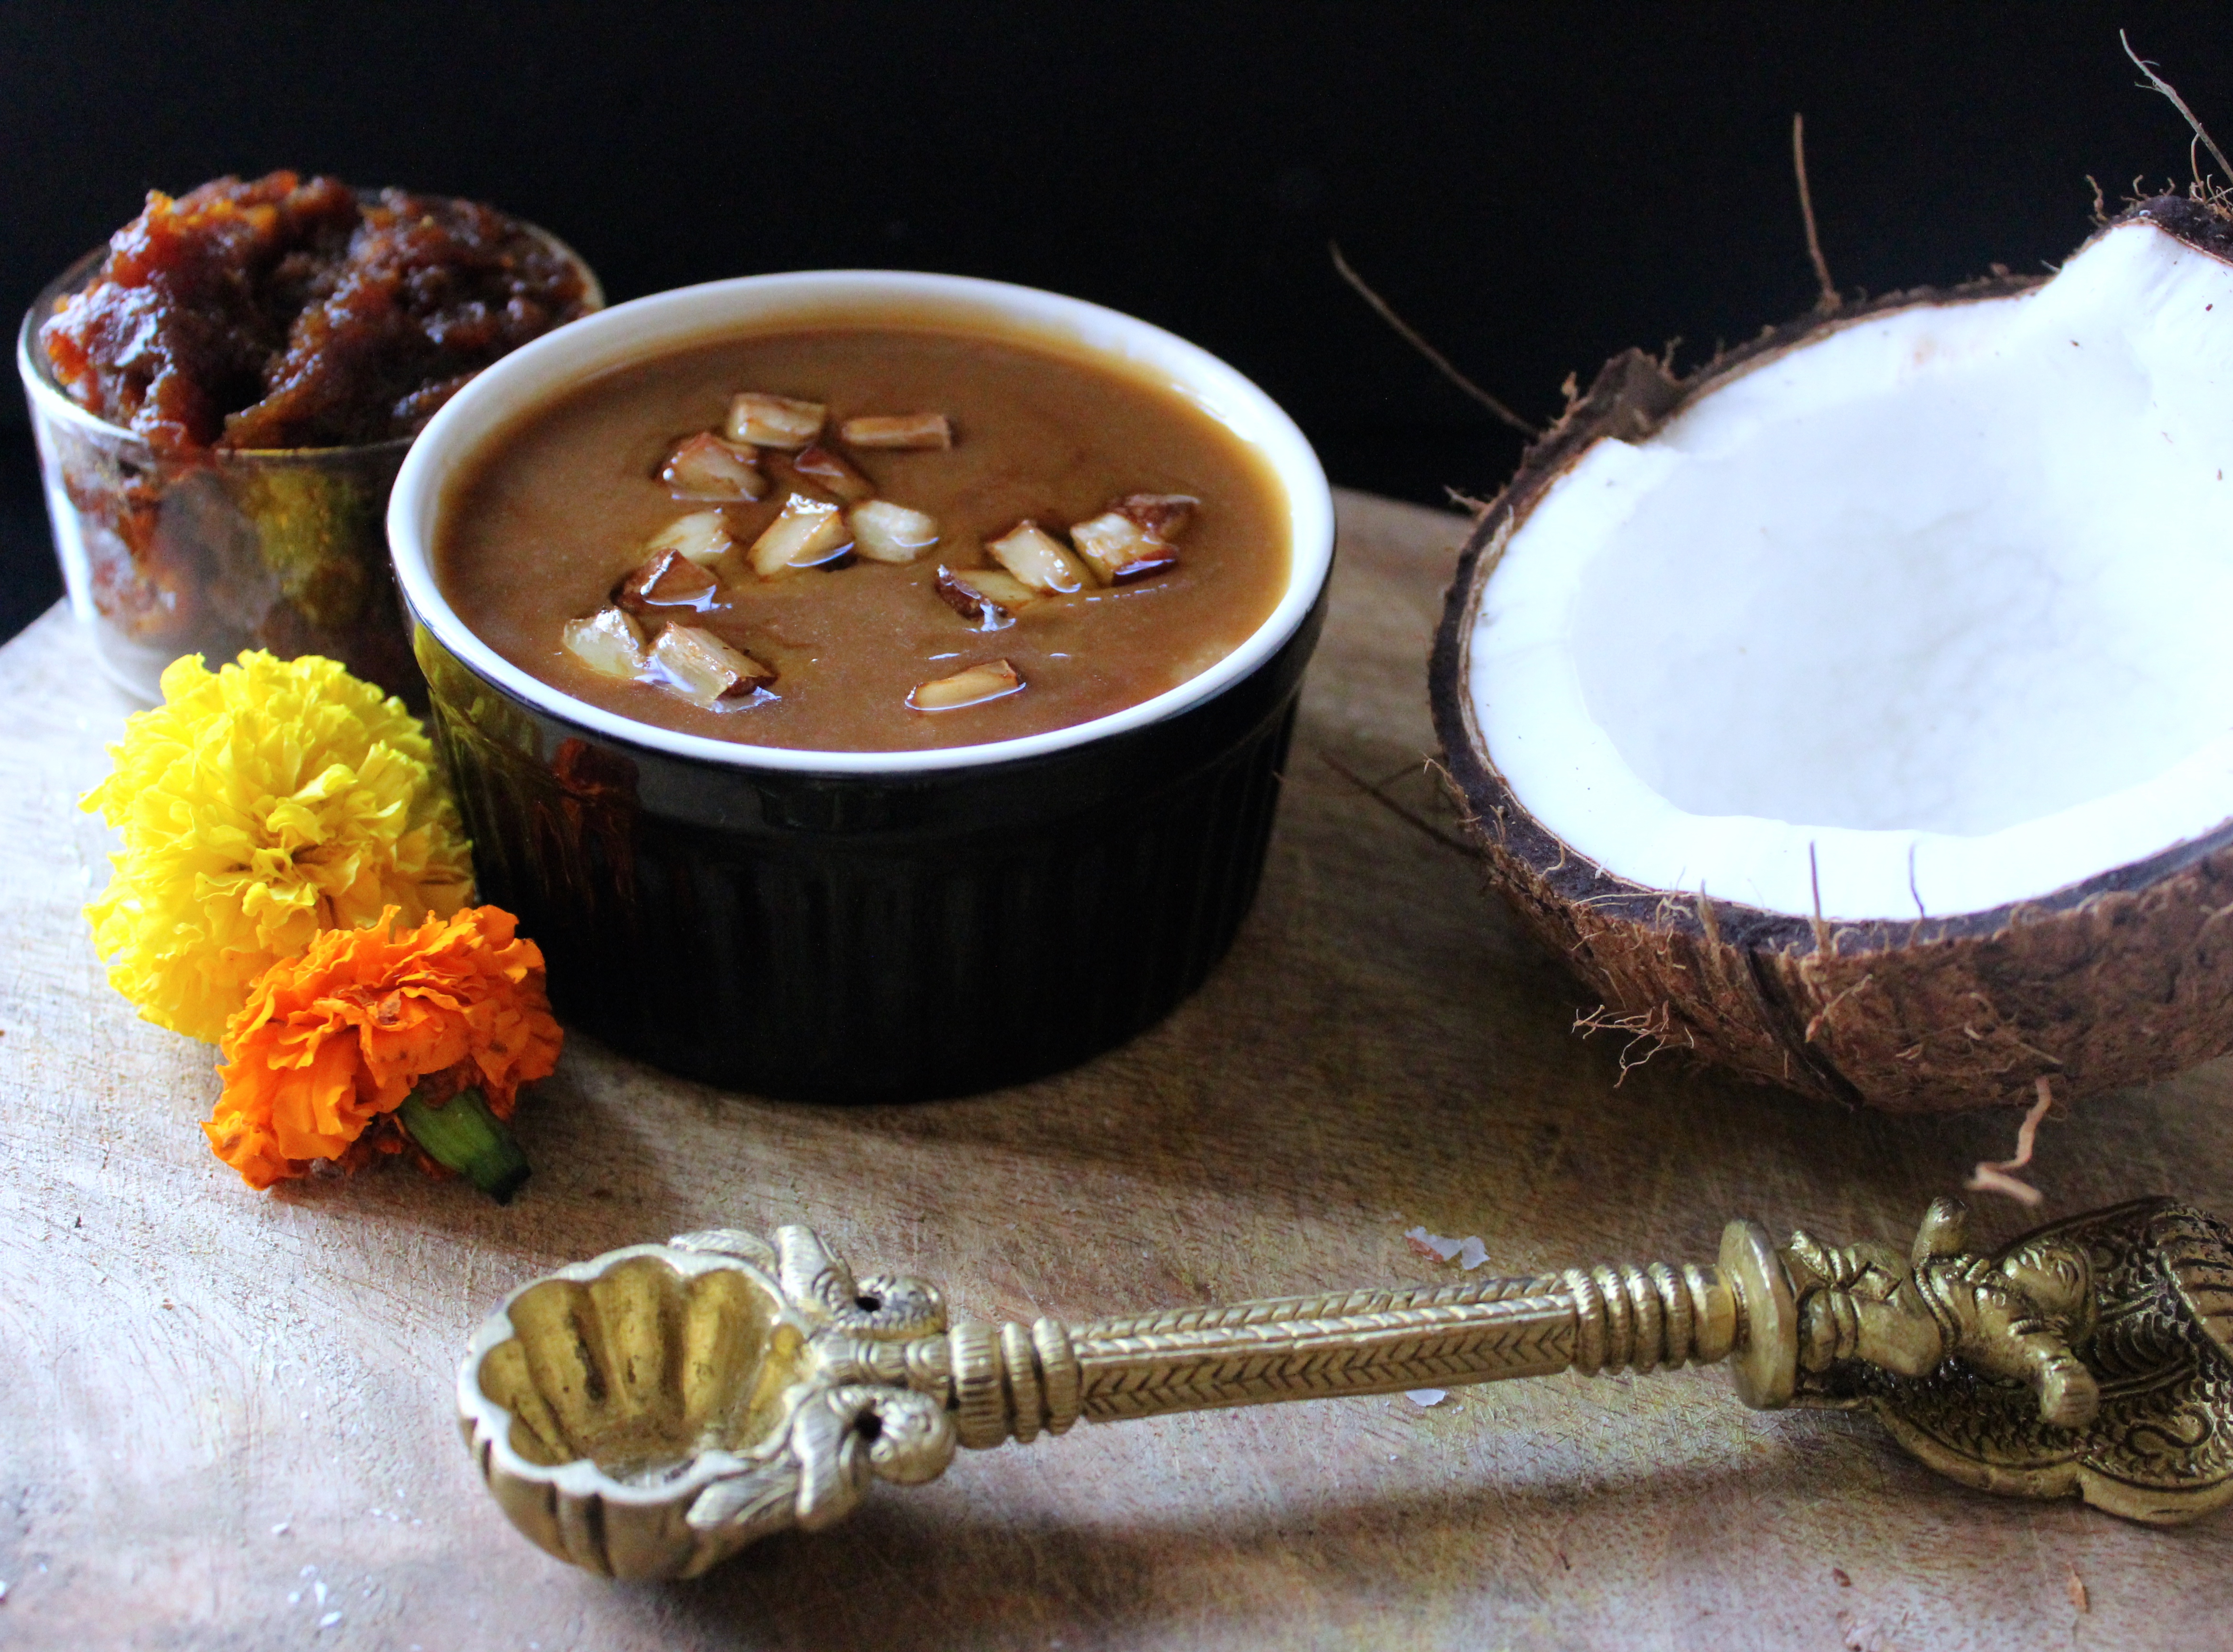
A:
(1858, 712)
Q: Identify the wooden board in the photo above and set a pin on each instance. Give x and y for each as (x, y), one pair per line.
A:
(220, 1404)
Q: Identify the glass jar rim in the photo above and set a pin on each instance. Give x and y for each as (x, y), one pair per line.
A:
(55, 402)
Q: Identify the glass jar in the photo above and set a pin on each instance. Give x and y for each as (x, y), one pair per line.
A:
(217, 551)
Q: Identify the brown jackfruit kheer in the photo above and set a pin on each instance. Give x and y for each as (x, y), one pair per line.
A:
(864, 539)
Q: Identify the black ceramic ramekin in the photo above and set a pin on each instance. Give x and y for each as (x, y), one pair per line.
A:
(855, 925)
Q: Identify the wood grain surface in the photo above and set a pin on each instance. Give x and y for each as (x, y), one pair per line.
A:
(227, 1417)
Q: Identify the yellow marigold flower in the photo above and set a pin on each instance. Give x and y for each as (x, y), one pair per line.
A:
(259, 805)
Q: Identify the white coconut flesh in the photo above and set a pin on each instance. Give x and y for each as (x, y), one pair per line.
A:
(1929, 611)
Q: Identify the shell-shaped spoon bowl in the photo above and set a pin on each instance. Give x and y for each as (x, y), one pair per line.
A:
(601, 1399)
(649, 1412)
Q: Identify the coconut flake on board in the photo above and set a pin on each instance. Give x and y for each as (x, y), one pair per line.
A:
(1468, 1253)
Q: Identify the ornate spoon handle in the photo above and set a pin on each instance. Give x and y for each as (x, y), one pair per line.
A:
(652, 1410)
(1012, 1382)
(1372, 1342)
(1363, 1341)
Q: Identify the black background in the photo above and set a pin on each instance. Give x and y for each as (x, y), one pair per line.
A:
(1534, 187)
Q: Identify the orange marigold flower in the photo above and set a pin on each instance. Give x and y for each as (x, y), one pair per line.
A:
(331, 1041)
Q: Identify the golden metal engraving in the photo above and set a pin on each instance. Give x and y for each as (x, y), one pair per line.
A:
(650, 1412)
(2092, 1358)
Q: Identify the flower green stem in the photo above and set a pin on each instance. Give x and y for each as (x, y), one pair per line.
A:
(462, 1135)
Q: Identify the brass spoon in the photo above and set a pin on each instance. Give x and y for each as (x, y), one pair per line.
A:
(650, 1412)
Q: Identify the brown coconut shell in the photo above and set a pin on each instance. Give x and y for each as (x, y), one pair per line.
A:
(2122, 978)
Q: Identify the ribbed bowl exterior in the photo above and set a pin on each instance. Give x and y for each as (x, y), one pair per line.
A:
(871, 937)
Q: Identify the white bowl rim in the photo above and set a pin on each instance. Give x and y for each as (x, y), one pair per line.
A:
(676, 318)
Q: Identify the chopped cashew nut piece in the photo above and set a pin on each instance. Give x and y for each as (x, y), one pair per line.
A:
(832, 475)
(886, 532)
(1117, 547)
(1164, 515)
(705, 467)
(699, 666)
(607, 642)
(669, 580)
(898, 430)
(1035, 557)
(970, 687)
(810, 532)
(984, 594)
(773, 421)
(703, 537)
